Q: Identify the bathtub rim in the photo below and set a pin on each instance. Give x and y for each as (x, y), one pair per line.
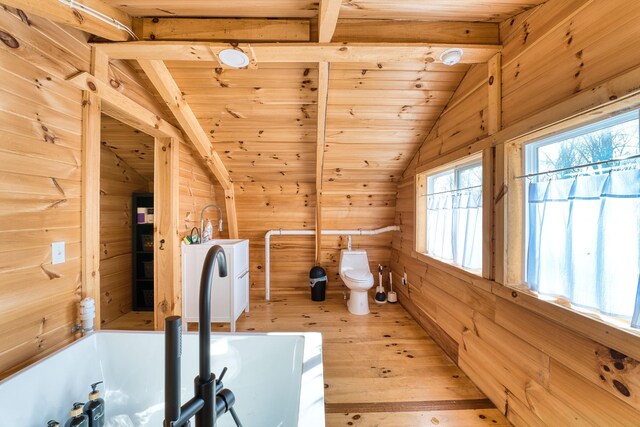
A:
(311, 403)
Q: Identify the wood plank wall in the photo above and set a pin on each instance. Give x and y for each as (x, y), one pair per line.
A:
(40, 170)
(117, 181)
(540, 364)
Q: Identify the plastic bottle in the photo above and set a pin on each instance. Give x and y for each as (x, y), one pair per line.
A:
(94, 408)
(78, 419)
(208, 232)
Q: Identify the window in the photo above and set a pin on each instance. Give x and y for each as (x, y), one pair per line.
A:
(450, 214)
(582, 217)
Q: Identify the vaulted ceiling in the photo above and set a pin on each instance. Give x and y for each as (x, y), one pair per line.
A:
(313, 134)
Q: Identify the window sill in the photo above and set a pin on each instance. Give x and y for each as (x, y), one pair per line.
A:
(620, 338)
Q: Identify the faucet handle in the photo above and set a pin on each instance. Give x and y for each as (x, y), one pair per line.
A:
(224, 371)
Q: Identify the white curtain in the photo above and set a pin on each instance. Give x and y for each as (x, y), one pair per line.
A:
(584, 241)
(454, 227)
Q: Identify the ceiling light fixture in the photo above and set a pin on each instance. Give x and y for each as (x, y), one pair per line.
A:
(234, 58)
(451, 56)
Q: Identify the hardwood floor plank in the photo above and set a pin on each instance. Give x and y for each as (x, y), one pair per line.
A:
(368, 360)
(428, 405)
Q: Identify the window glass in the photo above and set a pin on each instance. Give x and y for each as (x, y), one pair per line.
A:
(454, 215)
(582, 217)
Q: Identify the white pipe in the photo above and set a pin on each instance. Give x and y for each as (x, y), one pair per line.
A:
(87, 314)
(267, 245)
(99, 16)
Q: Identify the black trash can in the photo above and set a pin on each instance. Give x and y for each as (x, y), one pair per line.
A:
(318, 283)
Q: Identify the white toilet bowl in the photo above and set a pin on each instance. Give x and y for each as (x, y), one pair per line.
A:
(355, 273)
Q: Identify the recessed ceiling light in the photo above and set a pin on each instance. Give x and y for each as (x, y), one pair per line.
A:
(234, 58)
(451, 56)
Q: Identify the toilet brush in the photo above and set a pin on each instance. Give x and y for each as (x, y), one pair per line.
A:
(392, 297)
(381, 297)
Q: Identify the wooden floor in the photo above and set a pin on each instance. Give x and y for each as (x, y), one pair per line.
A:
(380, 370)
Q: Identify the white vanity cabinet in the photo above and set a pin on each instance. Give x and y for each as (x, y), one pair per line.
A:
(229, 295)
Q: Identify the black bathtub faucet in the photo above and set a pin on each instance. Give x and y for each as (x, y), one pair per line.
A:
(211, 398)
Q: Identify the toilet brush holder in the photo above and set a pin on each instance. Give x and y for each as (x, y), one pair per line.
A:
(392, 297)
(380, 297)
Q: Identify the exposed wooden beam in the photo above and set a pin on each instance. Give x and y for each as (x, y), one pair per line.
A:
(169, 91)
(167, 290)
(376, 30)
(323, 94)
(328, 19)
(122, 108)
(90, 247)
(493, 162)
(73, 17)
(224, 29)
(232, 217)
(299, 52)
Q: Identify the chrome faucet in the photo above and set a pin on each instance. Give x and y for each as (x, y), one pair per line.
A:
(202, 219)
(211, 398)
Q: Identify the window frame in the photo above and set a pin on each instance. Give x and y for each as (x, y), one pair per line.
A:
(420, 203)
(515, 221)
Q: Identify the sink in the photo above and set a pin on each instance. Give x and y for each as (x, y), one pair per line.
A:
(222, 242)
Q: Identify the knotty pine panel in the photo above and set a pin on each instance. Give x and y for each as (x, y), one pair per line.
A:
(545, 371)
(118, 180)
(40, 128)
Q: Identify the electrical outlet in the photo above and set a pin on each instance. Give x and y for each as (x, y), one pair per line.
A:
(57, 253)
(404, 279)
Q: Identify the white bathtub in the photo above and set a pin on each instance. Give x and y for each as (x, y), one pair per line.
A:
(277, 379)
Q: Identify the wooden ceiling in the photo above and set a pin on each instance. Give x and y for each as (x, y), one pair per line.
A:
(425, 10)
(261, 121)
(129, 144)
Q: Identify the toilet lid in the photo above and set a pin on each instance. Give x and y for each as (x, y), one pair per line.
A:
(358, 275)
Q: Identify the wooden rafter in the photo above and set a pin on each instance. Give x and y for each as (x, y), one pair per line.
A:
(299, 52)
(63, 14)
(124, 109)
(328, 19)
(223, 29)
(170, 92)
(323, 94)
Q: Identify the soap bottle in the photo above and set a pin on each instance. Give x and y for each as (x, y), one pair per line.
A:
(94, 408)
(207, 234)
(78, 419)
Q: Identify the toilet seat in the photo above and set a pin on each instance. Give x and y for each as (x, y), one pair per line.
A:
(359, 276)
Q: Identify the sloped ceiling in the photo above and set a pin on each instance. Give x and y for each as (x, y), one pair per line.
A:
(263, 122)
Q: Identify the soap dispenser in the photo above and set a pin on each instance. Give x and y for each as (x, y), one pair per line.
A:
(53, 423)
(94, 408)
(78, 419)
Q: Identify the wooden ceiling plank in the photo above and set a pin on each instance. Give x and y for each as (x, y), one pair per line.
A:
(378, 30)
(426, 53)
(63, 14)
(161, 78)
(225, 29)
(328, 19)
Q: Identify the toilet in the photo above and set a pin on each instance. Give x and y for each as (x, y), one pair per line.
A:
(355, 273)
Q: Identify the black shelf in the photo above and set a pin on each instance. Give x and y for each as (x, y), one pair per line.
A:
(142, 262)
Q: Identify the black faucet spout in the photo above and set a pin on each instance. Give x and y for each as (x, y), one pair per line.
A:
(204, 320)
(210, 398)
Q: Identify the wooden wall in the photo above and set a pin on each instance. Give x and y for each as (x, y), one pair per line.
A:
(40, 152)
(117, 181)
(198, 188)
(540, 363)
(40, 172)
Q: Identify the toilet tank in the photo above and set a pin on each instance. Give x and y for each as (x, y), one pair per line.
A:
(353, 260)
